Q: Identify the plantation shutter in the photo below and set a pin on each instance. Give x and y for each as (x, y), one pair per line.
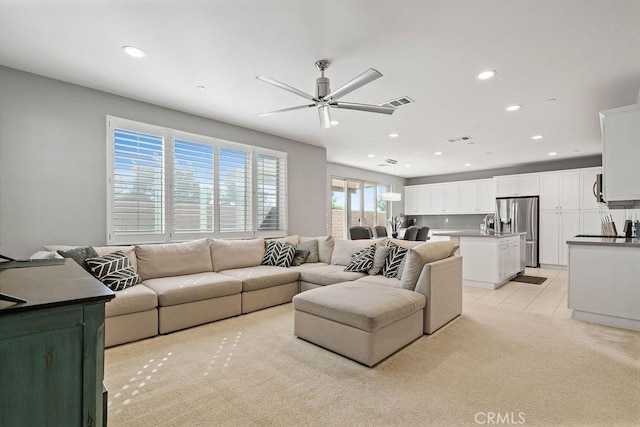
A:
(193, 188)
(137, 208)
(271, 192)
(235, 197)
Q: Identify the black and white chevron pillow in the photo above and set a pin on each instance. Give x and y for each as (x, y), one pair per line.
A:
(393, 261)
(279, 254)
(362, 260)
(114, 270)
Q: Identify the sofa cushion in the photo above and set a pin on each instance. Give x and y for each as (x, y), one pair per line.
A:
(408, 244)
(312, 247)
(362, 260)
(129, 251)
(423, 254)
(114, 270)
(173, 259)
(279, 254)
(365, 306)
(226, 254)
(328, 275)
(193, 287)
(308, 265)
(344, 249)
(131, 300)
(262, 276)
(79, 255)
(381, 280)
(294, 240)
(325, 247)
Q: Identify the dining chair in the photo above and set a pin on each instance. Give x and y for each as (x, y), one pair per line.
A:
(379, 231)
(411, 233)
(423, 234)
(359, 232)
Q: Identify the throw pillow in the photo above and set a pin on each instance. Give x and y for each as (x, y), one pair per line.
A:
(279, 254)
(378, 259)
(362, 260)
(312, 247)
(79, 255)
(300, 257)
(393, 261)
(114, 270)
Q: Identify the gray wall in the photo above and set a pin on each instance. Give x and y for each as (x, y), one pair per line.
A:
(575, 163)
(53, 162)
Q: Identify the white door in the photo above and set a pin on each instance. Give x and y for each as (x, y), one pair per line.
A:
(468, 193)
(569, 190)
(570, 227)
(437, 198)
(486, 196)
(549, 238)
(549, 197)
(451, 204)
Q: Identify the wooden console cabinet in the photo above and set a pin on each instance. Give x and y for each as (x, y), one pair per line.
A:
(52, 347)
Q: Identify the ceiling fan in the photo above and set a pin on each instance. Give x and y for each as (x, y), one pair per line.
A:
(325, 98)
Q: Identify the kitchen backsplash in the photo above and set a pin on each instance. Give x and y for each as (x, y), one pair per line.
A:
(449, 222)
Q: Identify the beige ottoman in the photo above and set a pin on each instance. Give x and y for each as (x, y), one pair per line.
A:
(362, 321)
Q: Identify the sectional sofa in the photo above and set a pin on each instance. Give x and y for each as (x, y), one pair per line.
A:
(196, 282)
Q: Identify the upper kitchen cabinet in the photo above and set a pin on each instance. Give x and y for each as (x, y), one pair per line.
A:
(478, 196)
(451, 198)
(417, 200)
(560, 191)
(587, 188)
(436, 192)
(620, 154)
(518, 185)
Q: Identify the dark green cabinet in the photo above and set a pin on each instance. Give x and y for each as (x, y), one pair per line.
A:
(52, 352)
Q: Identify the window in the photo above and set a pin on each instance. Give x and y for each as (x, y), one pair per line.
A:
(356, 202)
(168, 185)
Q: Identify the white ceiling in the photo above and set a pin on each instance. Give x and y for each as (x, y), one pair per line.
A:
(583, 53)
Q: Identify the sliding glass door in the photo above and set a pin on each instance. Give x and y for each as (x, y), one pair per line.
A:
(356, 202)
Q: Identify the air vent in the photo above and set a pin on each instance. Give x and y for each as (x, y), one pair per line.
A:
(391, 161)
(465, 138)
(398, 102)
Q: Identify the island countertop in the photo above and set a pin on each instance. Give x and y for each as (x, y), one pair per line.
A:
(477, 233)
(605, 241)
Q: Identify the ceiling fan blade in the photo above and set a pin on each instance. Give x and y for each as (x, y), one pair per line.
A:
(286, 87)
(325, 117)
(284, 110)
(363, 107)
(364, 78)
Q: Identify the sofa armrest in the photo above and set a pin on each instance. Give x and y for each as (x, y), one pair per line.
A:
(441, 283)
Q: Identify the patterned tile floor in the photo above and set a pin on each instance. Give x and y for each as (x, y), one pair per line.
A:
(549, 298)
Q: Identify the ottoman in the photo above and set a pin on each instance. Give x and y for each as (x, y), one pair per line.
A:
(362, 321)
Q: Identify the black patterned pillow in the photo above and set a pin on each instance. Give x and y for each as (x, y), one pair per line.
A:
(114, 270)
(279, 254)
(300, 257)
(362, 260)
(394, 259)
(79, 255)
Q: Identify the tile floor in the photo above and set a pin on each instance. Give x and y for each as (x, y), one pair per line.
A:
(549, 298)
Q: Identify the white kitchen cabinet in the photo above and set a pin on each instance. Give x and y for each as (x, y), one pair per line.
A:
(437, 199)
(489, 262)
(620, 154)
(411, 200)
(469, 197)
(587, 183)
(518, 185)
(560, 191)
(451, 196)
(486, 196)
(556, 227)
(477, 196)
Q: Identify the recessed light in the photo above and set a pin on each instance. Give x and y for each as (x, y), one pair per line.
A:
(513, 107)
(367, 142)
(438, 153)
(487, 74)
(371, 155)
(334, 123)
(553, 153)
(393, 135)
(134, 51)
(536, 137)
(407, 166)
(200, 87)
(467, 164)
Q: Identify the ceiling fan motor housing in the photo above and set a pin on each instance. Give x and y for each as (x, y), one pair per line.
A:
(322, 87)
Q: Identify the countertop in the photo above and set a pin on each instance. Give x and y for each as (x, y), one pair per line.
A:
(477, 233)
(605, 241)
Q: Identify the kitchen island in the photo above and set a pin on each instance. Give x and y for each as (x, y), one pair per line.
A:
(489, 259)
(604, 281)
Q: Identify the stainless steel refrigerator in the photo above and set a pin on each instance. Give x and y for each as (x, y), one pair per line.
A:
(520, 214)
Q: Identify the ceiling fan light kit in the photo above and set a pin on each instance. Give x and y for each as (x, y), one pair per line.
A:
(326, 99)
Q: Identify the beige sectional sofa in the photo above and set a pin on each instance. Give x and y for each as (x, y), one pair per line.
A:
(196, 282)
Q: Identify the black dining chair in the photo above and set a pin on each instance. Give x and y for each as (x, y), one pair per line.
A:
(379, 231)
(359, 232)
(411, 233)
(423, 234)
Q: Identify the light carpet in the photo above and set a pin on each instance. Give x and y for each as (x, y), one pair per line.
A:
(489, 364)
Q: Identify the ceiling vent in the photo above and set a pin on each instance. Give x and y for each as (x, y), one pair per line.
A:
(391, 161)
(465, 138)
(398, 102)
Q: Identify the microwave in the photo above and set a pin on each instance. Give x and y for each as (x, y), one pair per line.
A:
(597, 189)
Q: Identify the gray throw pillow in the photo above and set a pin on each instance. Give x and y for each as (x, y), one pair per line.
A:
(299, 258)
(80, 255)
(378, 259)
(312, 247)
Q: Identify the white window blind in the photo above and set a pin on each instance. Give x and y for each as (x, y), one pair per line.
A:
(138, 195)
(193, 187)
(235, 201)
(270, 192)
